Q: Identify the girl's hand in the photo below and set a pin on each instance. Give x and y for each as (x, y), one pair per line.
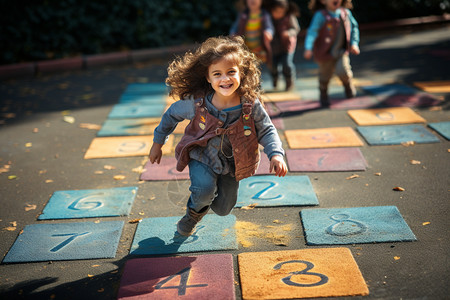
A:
(307, 54)
(354, 49)
(278, 165)
(155, 153)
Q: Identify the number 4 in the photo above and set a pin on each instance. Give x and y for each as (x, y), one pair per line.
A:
(184, 276)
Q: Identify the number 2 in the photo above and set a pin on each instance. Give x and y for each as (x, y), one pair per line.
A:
(270, 185)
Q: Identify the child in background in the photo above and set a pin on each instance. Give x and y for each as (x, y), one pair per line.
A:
(284, 18)
(255, 25)
(219, 87)
(332, 34)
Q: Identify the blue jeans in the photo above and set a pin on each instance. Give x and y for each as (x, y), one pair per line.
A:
(211, 189)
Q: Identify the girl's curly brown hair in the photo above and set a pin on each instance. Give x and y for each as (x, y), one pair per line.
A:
(315, 5)
(187, 74)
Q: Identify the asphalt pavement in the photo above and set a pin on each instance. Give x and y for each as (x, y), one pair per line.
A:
(42, 152)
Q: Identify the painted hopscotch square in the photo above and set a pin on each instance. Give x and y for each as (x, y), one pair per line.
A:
(396, 134)
(354, 103)
(184, 277)
(165, 170)
(143, 99)
(389, 89)
(66, 241)
(307, 273)
(129, 111)
(385, 116)
(443, 128)
(269, 190)
(442, 86)
(326, 160)
(322, 138)
(356, 225)
(89, 203)
(159, 236)
(146, 88)
(410, 100)
(124, 146)
(281, 96)
(133, 127)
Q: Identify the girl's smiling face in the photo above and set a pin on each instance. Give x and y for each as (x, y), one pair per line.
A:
(331, 5)
(224, 77)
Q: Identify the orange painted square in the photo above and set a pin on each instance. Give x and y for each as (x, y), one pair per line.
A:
(124, 146)
(385, 116)
(307, 273)
(322, 138)
(442, 86)
(281, 96)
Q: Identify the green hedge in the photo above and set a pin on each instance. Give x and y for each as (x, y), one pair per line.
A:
(37, 29)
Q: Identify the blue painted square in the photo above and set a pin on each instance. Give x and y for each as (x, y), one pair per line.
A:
(66, 241)
(159, 236)
(89, 203)
(146, 88)
(389, 89)
(126, 111)
(124, 127)
(331, 226)
(443, 128)
(270, 190)
(143, 99)
(396, 134)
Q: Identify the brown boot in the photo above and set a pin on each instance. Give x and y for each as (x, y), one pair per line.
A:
(186, 226)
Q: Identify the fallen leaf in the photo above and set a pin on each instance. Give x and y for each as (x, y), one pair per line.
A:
(426, 223)
(377, 174)
(276, 221)
(99, 172)
(134, 221)
(4, 170)
(12, 227)
(28, 145)
(69, 119)
(108, 167)
(49, 181)
(141, 213)
(353, 176)
(396, 257)
(119, 177)
(90, 276)
(30, 207)
(248, 207)
(409, 143)
(414, 162)
(35, 130)
(95, 266)
(139, 170)
(399, 189)
(11, 177)
(90, 126)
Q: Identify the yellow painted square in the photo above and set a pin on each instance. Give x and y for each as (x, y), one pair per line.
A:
(385, 116)
(322, 138)
(281, 96)
(307, 273)
(442, 86)
(124, 146)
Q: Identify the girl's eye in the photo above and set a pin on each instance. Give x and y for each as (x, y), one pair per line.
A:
(216, 74)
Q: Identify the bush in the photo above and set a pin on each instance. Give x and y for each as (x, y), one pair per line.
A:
(46, 29)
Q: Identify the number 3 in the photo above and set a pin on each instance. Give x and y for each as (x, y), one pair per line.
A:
(287, 280)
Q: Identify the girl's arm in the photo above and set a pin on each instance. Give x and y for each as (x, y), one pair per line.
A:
(177, 112)
(313, 31)
(354, 34)
(269, 139)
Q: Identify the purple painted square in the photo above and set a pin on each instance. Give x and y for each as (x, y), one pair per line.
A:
(408, 100)
(166, 170)
(326, 160)
(183, 277)
(294, 106)
(356, 102)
